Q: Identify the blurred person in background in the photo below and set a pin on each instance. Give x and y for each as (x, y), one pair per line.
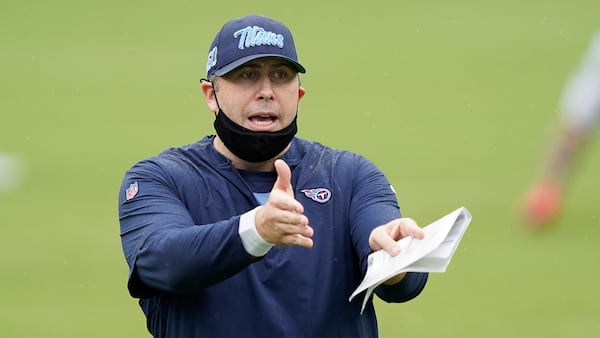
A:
(579, 108)
(12, 171)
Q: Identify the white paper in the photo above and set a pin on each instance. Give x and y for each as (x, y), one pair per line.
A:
(430, 254)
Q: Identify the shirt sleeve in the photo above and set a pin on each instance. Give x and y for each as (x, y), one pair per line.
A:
(163, 247)
(374, 203)
(409, 288)
(580, 100)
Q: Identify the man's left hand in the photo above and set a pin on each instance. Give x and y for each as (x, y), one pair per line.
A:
(386, 235)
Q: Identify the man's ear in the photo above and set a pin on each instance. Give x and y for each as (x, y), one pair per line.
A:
(209, 95)
(301, 92)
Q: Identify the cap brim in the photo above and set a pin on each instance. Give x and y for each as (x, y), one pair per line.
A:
(228, 68)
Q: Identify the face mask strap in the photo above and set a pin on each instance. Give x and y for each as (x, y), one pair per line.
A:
(215, 92)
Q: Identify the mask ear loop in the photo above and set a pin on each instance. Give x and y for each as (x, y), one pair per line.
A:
(214, 91)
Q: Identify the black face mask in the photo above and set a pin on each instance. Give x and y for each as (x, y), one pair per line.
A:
(253, 146)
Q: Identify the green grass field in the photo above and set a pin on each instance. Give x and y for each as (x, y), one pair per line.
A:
(454, 100)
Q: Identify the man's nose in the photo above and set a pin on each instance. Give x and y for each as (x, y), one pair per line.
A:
(266, 89)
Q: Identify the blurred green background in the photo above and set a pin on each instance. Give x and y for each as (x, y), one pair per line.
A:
(454, 100)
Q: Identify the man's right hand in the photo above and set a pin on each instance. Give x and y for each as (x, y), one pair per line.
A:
(281, 221)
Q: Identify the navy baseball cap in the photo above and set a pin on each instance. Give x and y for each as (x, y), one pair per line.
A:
(248, 38)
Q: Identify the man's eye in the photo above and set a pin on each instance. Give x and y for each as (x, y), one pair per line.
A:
(280, 74)
(248, 75)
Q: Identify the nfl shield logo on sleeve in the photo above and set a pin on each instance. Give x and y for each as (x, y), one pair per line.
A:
(131, 191)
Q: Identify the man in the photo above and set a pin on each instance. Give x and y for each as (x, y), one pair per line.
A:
(579, 108)
(254, 232)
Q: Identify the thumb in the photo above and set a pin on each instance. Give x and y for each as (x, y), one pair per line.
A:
(284, 177)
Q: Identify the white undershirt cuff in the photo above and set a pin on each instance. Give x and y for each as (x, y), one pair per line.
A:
(254, 244)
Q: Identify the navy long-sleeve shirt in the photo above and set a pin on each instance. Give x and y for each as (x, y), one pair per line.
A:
(179, 214)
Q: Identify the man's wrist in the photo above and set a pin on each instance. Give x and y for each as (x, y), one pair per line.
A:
(254, 244)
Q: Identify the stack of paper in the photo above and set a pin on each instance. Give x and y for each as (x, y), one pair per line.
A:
(430, 254)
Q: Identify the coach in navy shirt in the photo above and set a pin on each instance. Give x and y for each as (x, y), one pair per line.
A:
(254, 232)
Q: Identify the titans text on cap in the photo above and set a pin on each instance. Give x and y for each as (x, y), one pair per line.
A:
(257, 36)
